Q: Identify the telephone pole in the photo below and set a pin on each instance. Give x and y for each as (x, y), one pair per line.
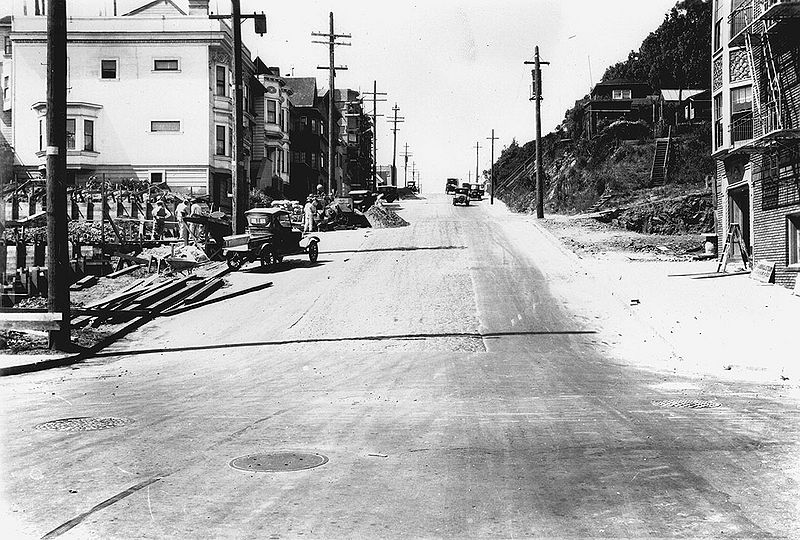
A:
(406, 155)
(396, 120)
(477, 159)
(240, 185)
(491, 185)
(375, 115)
(537, 96)
(332, 43)
(57, 245)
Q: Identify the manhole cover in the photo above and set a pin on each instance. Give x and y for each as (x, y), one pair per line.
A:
(279, 461)
(83, 423)
(686, 403)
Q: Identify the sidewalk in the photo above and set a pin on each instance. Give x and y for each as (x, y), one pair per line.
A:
(730, 327)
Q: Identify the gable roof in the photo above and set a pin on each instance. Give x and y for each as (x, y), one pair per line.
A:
(675, 95)
(157, 7)
(304, 90)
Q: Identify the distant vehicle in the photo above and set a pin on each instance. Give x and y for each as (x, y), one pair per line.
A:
(389, 193)
(476, 192)
(412, 186)
(450, 187)
(461, 196)
(465, 185)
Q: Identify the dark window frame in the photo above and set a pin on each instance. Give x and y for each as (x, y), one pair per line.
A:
(105, 70)
(221, 143)
(71, 134)
(162, 61)
(88, 135)
(221, 85)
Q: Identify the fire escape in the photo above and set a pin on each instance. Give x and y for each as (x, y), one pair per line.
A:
(760, 25)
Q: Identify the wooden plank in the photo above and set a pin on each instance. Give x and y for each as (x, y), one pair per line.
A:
(209, 287)
(29, 325)
(174, 299)
(124, 271)
(722, 274)
(31, 316)
(83, 283)
(162, 291)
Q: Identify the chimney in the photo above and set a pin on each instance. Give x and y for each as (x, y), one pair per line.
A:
(198, 7)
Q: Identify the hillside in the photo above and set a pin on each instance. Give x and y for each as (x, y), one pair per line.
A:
(613, 167)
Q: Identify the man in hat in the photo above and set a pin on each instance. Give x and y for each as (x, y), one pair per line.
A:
(160, 215)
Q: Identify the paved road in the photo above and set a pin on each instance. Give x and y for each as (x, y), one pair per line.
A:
(458, 376)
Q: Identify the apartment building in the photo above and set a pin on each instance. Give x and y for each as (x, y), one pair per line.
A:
(150, 96)
(755, 96)
(273, 108)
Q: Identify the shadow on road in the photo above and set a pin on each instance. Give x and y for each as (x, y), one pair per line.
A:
(476, 335)
(284, 266)
(424, 248)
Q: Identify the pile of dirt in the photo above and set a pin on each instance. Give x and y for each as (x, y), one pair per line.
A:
(381, 217)
(692, 213)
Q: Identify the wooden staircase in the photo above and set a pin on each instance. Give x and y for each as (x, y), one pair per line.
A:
(600, 202)
(658, 173)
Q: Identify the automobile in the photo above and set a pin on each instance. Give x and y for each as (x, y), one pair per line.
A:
(461, 196)
(476, 192)
(450, 187)
(389, 193)
(269, 237)
(362, 199)
(412, 186)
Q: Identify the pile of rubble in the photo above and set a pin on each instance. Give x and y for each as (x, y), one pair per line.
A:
(380, 217)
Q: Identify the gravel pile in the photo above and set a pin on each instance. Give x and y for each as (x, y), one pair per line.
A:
(384, 218)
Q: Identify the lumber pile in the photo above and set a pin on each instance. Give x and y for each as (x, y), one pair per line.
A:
(380, 217)
(150, 297)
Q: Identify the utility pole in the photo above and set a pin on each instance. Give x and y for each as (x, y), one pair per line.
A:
(406, 155)
(332, 68)
(491, 185)
(240, 184)
(396, 120)
(477, 160)
(537, 96)
(57, 245)
(375, 115)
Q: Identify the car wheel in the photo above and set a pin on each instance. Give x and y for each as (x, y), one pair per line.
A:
(313, 252)
(234, 261)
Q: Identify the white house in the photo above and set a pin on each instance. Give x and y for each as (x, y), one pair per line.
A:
(150, 96)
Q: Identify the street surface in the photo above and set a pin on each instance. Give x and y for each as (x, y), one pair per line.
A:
(459, 374)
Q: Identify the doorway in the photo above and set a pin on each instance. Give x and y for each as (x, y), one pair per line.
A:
(739, 212)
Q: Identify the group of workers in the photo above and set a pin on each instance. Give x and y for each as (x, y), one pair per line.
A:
(315, 207)
(184, 209)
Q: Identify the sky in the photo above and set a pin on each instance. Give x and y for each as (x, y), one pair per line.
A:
(454, 67)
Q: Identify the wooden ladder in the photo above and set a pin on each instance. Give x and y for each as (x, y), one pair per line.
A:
(734, 236)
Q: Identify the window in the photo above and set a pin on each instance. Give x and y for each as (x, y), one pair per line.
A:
(221, 146)
(156, 177)
(7, 45)
(70, 134)
(272, 111)
(108, 69)
(222, 81)
(621, 94)
(165, 125)
(246, 97)
(741, 99)
(6, 87)
(88, 135)
(41, 135)
(165, 65)
(231, 140)
(793, 240)
(717, 34)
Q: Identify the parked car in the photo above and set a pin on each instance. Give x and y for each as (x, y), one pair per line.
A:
(389, 193)
(461, 196)
(476, 192)
(362, 199)
(450, 187)
(269, 237)
(412, 186)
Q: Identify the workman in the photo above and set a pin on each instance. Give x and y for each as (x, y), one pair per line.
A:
(160, 215)
(194, 211)
(181, 211)
(308, 214)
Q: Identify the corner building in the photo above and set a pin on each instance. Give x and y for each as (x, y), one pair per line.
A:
(755, 85)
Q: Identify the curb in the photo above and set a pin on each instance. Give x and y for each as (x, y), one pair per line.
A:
(77, 357)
